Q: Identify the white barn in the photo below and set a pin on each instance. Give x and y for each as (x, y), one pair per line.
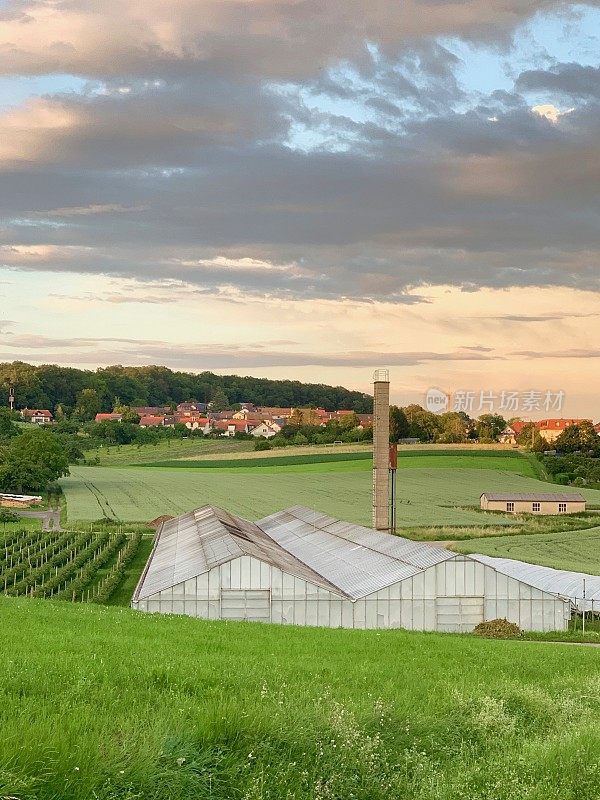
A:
(301, 567)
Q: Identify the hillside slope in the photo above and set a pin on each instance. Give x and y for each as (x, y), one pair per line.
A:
(108, 703)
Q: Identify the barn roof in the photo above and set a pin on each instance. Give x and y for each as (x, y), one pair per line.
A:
(535, 496)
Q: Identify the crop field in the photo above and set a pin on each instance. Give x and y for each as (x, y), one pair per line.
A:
(426, 497)
(578, 551)
(361, 460)
(194, 446)
(112, 704)
(66, 565)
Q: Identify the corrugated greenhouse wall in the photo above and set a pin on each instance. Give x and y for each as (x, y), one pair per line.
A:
(452, 596)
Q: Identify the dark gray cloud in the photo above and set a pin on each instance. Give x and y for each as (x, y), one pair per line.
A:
(208, 151)
(549, 317)
(567, 80)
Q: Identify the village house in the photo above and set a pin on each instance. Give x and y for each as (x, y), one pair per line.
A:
(191, 408)
(151, 411)
(550, 429)
(266, 430)
(38, 416)
(511, 432)
(108, 418)
(229, 427)
(194, 422)
(266, 412)
(152, 421)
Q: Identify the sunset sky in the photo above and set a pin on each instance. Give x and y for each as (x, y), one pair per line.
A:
(306, 189)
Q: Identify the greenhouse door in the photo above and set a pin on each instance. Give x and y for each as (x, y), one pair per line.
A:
(458, 614)
(253, 605)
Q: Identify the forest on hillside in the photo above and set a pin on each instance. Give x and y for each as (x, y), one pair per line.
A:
(56, 387)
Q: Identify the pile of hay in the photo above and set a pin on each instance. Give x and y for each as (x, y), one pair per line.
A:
(498, 629)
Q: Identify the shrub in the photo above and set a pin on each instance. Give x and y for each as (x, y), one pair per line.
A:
(263, 444)
(498, 629)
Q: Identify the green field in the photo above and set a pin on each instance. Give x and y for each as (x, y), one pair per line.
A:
(426, 497)
(112, 704)
(578, 551)
(195, 446)
(362, 460)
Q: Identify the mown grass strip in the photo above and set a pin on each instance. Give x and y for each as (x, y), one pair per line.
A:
(264, 461)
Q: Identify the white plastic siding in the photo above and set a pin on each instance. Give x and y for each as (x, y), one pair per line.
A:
(426, 601)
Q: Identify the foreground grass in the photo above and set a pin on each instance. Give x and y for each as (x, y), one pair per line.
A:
(111, 704)
(576, 550)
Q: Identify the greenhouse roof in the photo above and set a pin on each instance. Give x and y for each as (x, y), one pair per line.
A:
(554, 581)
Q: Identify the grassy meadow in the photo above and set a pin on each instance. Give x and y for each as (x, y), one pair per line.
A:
(575, 550)
(440, 496)
(194, 446)
(111, 704)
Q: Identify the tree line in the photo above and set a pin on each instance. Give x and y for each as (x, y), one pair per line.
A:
(68, 391)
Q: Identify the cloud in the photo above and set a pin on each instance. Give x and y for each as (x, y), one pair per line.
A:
(198, 356)
(556, 316)
(566, 80)
(292, 149)
(574, 352)
(272, 39)
(84, 211)
(550, 112)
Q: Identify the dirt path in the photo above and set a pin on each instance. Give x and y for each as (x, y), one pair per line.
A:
(50, 519)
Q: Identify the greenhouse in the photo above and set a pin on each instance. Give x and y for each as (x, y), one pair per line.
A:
(302, 567)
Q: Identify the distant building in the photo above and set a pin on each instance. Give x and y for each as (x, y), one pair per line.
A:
(152, 421)
(19, 500)
(534, 503)
(273, 411)
(511, 432)
(151, 411)
(194, 422)
(266, 430)
(550, 429)
(38, 416)
(108, 418)
(229, 427)
(192, 407)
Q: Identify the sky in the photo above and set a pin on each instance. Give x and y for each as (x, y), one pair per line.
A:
(307, 189)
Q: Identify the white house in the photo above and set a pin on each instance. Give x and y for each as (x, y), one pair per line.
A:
(266, 430)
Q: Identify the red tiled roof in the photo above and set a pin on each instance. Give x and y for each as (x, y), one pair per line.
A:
(151, 420)
(557, 424)
(518, 426)
(36, 412)
(225, 424)
(108, 417)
